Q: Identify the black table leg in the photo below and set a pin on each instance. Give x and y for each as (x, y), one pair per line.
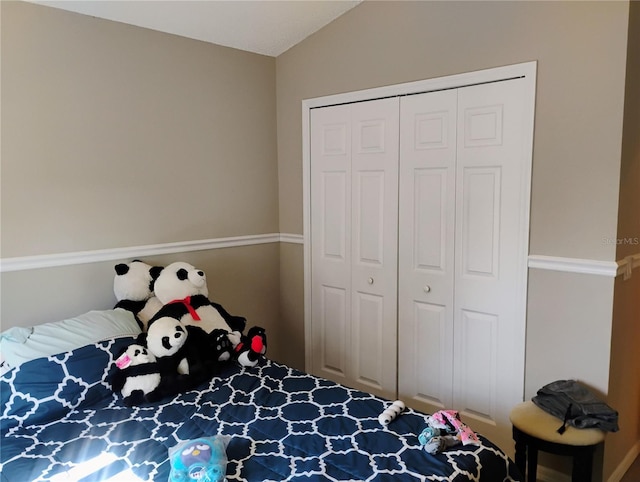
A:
(532, 462)
(521, 451)
(582, 465)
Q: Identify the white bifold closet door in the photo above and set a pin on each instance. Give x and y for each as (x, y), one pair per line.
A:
(418, 249)
(462, 267)
(354, 198)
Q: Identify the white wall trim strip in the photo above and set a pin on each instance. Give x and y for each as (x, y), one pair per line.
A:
(291, 238)
(573, 265)
(22, 263)
(622, 267)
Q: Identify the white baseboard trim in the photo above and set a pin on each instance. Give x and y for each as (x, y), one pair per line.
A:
(22, 263)
(545, 474)
(626, 462)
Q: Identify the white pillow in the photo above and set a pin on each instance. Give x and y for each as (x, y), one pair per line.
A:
(20, 344)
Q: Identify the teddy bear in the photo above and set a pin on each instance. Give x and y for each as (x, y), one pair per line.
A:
(133, 286)
(185, 355)
(137, 376)
(182, 290)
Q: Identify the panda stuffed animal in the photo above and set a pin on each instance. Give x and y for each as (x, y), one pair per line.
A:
(133, 286)
(137, 376)
(183, 353)
(182, 290)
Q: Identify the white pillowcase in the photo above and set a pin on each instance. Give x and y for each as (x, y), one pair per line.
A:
(22, 344)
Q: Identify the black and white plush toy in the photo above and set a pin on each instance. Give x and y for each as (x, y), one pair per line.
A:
(182, 290)
(252, 347)
(137, 376)
(133, 286)
(183, 353)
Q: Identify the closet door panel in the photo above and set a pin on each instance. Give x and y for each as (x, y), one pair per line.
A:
(370, 327)
(427, 343)
(369, 219)
(331, 241)
(333, 348)
(490, 207)
(481, 222)
(477, 360)
(425, 250)
(374, 266)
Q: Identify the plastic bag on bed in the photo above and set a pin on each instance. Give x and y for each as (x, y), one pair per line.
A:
(202, 460)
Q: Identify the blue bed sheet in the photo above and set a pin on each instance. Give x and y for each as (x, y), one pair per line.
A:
(60, 421)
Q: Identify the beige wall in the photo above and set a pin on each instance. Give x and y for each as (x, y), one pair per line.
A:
(568, 329)
(117, 136)
(624, 386)
(291, 306)
(581, 52)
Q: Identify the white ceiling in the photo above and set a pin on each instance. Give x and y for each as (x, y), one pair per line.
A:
(268, 27)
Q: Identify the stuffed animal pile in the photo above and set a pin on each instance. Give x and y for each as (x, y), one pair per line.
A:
(186, 337)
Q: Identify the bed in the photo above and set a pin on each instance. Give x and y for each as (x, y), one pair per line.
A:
(61, 421)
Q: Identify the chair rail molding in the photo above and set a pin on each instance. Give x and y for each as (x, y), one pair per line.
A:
(22, 263)
(573, 265)
(622, 267)
(612, 269)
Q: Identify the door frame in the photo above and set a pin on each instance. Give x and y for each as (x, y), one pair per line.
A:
(525, 70)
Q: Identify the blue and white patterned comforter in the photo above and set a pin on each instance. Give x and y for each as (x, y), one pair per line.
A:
(60, 421)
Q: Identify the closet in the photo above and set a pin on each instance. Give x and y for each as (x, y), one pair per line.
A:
(418, 239)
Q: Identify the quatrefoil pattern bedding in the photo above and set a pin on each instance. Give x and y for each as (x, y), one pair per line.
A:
(60, 421)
